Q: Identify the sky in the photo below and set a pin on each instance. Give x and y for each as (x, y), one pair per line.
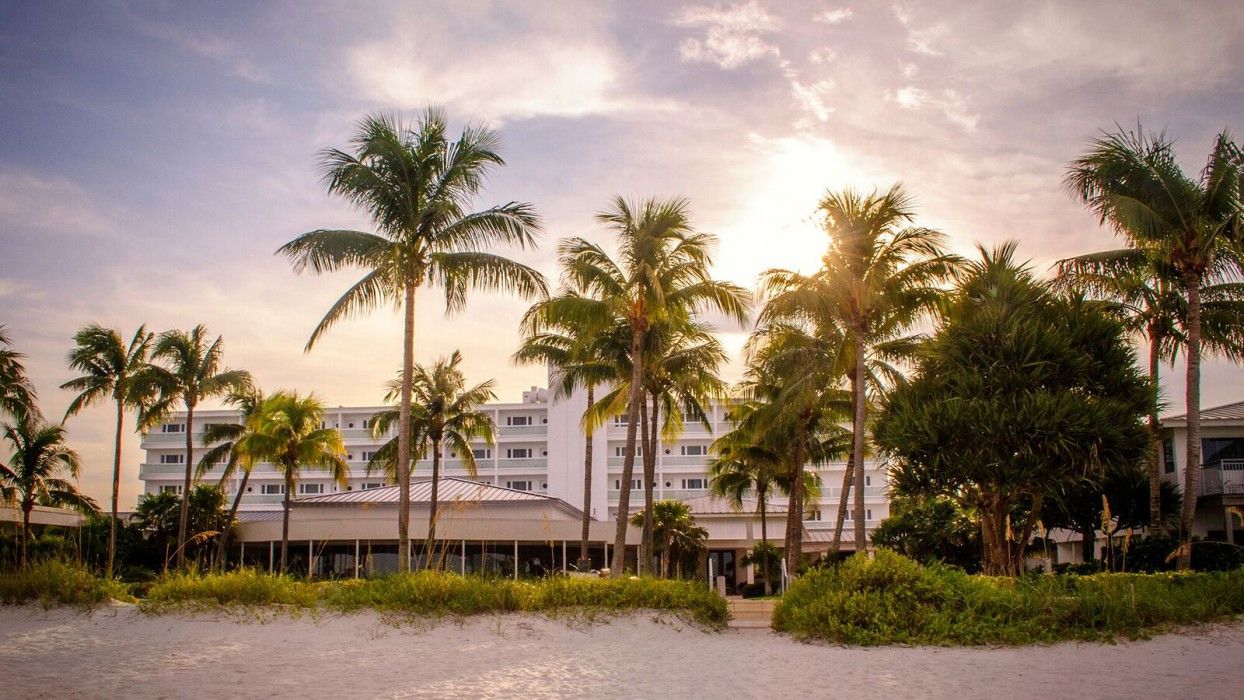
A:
(153, 155)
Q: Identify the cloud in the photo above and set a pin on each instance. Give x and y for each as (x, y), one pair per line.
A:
(949, 102)
(733, 34)
(811, 97)
(33, 203)
(837, 16)
(822, 55)
(203, 44)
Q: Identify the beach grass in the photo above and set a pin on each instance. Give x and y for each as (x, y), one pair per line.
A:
(54, 582)
(893, 600)
(431, 594)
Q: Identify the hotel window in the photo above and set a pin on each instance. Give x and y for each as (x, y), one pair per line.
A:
(173, 459)
(635, 484)
(518, 420)
(695, 483)
(1168, 456)
(173, 428)
(622, 419)
(620, 450)
(310, 489)
(814, 516)
(272, 489)
(482, 453)
(694, 450)
(518, 485)
(367, 456)
(371, 485)
(170, 488)
(868, 515)
(518, 453)
(868, 480)
(367, 423)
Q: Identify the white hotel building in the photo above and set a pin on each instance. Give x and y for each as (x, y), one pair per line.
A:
(539, 451)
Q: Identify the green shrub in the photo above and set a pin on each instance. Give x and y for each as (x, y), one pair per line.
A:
(54, 582)
(894, 600)
(427, 593)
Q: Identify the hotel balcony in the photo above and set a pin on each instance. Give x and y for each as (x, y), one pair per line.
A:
(1223, 478)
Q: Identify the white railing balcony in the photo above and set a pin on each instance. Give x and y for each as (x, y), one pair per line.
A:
(528, 464)
(147, 470)
(522, 430)
(682, 494)
(1226, 478)
(684, 460)
(166, 438)
(264, 498)
(361, 433)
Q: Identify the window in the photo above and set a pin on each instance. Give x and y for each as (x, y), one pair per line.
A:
(272, 489)
(482, 453)
(368, 456)
(1215, 450)
(620, 450)
(170, 488)
(1168, 456)
(310, 489)
(694, 483)
(518, 453)
(635, 484)
(371, 485)
(814, 516)
(868, 480)
(622, 419)
(367, 423)
(694, 450)
(518, 420)
(518, 485)
(173, 459)
(868, 515)
(173, 428)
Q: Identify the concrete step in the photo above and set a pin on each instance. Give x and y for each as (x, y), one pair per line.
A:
(750, 613)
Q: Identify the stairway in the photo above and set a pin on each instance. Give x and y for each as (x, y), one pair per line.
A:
(750, 613)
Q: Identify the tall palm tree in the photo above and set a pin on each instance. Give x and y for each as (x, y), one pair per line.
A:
(228, 443)
(1144, 293)
(748, 462)
(17, 393)
(1132, 180)
(113, 370)
(661, 276)
(186, 368)
(444, 412)
(880, 271)
(36, 472)
(578, 356)
(418, 187)
(288, 435)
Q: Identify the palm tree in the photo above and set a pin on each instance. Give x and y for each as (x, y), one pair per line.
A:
(747, 462)
(579, 358)
(661, 276)
(111, 370)
(35, 473)
(676, 532)
(1133, 181)
(443, 413)
(17, 393)
(186, 368)
(417, 186)
(288, 435)
(228, 443)
(1143, 292)
(879, 272)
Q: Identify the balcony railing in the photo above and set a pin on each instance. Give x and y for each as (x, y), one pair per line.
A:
(514, 430)
(1225, 478)
(529, 464)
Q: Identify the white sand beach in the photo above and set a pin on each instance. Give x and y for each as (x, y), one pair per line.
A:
(120, 652)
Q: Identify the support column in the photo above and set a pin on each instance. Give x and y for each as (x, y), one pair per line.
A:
(310, 558)
(463, 557)
(1226, 517)
(242, 553)
(515, 560)
(271, 548)
(356, 558)
(563, 556)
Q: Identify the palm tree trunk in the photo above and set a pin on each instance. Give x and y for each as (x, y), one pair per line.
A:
(860, 390)
(628, 462)
(184, 517)
(1088, 540)
(794, 508)
(233, 513)
(841, 516)
(289, 486)
(762, 497)
(436, 477)
(403, 433)
(585, 562)
(116, 489)
(1155, 436)
(1192, 400)
(649, 439)
(28, 504)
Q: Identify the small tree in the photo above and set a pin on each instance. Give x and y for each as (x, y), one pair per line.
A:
(931, 529)
(1019, 391)
(677, 537)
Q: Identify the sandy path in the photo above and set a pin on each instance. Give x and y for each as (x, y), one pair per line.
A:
(123, 653)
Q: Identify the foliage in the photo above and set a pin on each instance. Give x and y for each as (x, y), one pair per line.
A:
(678, 540)
(1154, 553)
(1080, 504)
(428, 593)
(18, 397)
(156, 518)
(1020, 391)
(933, 529)
(55, 582)
(894, 600)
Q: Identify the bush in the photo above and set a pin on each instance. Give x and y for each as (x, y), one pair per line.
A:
(53, 582)
(894, 600)
(1153, 553)
(429, 593)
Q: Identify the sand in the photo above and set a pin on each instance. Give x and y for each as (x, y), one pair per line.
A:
(121, 652)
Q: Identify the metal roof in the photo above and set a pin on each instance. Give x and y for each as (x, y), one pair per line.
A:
(451, 489)
(254, 516)
(711, 505)
(1228, 411)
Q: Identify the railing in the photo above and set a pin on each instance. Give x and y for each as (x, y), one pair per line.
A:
(264, 498)
(176, 438)
(684, 460)
(356, 433)
(682, 494)
(145, 470)
(1224, 478)
(529, 464)
(512, 430)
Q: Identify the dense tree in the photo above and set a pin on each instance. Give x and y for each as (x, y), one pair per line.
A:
(418, 187)
(157, 518)
(17, 393)
(929, 529)
(186, 368)
(1193, 226)
(444, 413)
(111, 369)
(1019, 391)
(1079, 505)
(678, 538)
(40, 471)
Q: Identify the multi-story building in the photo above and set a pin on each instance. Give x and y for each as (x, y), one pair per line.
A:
(539, 448)
(1222, 468)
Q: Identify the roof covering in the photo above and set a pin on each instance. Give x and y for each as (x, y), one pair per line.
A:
(450, 489)
(711, 505)
(1228, 411)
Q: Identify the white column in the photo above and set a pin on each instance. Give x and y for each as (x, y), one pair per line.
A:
(463, 567)
(242, 553)
(271, 547)
(310, 558)
(356, 558)
(515, 560)
(563, 556)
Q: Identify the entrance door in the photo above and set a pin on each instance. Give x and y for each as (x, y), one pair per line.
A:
(723, 565)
